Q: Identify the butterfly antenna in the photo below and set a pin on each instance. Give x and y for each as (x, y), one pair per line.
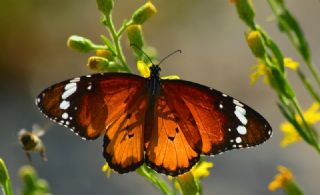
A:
(133, 45)
(163, 59)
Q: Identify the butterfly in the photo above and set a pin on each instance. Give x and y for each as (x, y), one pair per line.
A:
(166, 124)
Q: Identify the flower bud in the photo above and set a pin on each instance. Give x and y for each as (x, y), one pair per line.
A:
(97, 63)
(143, 68)
(256, 44)
(105, 6)
(246, 11)
(135, 35)
(144, 13)
(80, 44)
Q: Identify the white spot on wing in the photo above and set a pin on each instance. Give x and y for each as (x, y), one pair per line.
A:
(224, 95)
(75, 80)
(65, 115)
(242, 130)
(70, 85)
(238, 140)
(69, 91)
(220, 106)
(237, 103)
(240, 113)
(64, 105)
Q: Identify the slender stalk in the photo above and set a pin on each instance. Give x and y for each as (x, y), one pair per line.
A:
(162, 185)
(308, 85)
(116, 40)
(313, 70)
(124, 27)
(5, 179)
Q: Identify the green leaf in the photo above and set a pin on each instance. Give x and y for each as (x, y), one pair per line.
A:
(108, 43)
(273, 48)
(288, 24)
(291, 188)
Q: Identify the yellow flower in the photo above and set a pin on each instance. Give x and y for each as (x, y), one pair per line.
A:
(144, 70)
(258, 71)
(191, 178)
(282, 179)
(202, 169)
(312, 116)
(262, 70)
(290, 63)
(290, 134)
(106, 169)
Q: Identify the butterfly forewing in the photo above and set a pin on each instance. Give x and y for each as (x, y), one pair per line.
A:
(223, 122)
(88, 104)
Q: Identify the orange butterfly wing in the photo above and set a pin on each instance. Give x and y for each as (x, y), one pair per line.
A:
(170, 148)
(102, 103)
(192, 119)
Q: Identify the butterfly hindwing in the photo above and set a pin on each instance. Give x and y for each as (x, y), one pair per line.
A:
(170, 147)
(124, 138)
(223, 122)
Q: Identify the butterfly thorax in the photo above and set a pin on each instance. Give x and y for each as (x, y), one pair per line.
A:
(154, 80)
(153, 87)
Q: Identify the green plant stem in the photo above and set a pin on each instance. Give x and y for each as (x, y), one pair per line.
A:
(95, 47)
(308, 85)
(124, 27)
(116, 40)
(153, 178)
(313, 71)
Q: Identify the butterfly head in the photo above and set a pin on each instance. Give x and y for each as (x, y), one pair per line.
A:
(155, 70)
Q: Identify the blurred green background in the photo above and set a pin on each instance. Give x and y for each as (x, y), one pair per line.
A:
(34, 55)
